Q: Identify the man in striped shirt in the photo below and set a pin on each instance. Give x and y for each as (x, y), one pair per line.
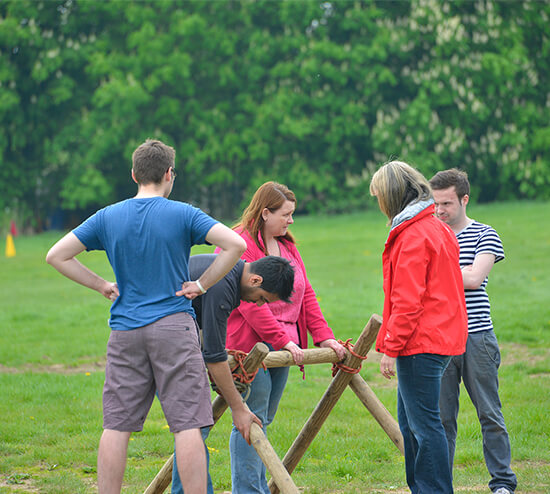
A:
(480, 249)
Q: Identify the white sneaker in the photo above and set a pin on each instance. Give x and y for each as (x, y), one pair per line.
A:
(502, 490)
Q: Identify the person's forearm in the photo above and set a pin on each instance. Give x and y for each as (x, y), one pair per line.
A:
(469, 282)
(232, 248)
(76, 271)
(221, 373)
(62, 256)
(471, 279)
(474, 274)
(223, 263)
(242, 417)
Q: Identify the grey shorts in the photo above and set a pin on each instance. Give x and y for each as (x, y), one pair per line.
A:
(162, 357)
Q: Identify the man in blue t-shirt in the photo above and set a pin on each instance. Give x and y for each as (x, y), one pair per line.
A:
(154, 345)
(480, 249)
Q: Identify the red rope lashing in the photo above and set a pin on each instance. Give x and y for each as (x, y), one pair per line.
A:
(346, 368)
(242, 381)
(245, 377)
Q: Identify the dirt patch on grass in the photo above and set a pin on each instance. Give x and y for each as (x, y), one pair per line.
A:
(95, 366)
(513, 353)
(14, 484)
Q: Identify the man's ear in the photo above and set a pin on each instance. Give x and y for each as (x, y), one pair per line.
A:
(134, 177)
(255, 280)
(465, 199)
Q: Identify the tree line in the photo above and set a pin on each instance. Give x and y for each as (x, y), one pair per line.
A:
(312, 94)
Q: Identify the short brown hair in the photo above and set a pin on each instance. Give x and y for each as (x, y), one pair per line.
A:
(151, 161)
(396, 184)
(270, 195)
(452, 178)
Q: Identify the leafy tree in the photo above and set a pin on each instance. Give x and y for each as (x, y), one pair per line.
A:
(313, 94)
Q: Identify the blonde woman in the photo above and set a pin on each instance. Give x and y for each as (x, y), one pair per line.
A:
(424, 318)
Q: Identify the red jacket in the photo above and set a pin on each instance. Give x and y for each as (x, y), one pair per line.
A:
(249, 324)
(424, 306)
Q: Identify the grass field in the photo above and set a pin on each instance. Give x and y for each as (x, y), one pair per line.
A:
(53, 335)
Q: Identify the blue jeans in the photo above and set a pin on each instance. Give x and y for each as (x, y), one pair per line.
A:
(247, 469)
(425, 444)
(478, 367)
(177, 488)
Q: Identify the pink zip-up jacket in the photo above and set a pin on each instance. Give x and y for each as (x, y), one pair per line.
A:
(249, 324)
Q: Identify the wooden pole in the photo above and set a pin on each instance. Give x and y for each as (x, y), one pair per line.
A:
(377, 409)
(258, 438)
(284, 359)
(252, 361)
(329, 399)
(274, 465)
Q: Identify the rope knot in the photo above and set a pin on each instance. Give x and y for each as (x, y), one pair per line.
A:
(243, 379)
(346, 368)
(244, 376)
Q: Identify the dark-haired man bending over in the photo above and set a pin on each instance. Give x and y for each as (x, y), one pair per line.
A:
(266, 280)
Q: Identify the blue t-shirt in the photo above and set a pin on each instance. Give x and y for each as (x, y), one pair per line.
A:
(148, 242)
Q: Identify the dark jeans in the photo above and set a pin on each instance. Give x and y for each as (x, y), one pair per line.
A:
(478, 367)
(425, 444)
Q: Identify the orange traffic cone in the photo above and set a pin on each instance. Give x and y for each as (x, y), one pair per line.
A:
(10, 246)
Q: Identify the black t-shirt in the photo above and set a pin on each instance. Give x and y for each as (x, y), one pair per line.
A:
(213, 308)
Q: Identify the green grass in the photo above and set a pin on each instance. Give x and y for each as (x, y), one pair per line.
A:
(53, 335)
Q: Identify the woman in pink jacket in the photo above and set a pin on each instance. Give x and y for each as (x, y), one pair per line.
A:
(424, 318)
(264, 226)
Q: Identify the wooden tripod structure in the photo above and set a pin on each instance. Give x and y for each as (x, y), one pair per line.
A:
(280, 471)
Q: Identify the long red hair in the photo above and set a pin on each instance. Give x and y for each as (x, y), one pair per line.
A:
(270, 195)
